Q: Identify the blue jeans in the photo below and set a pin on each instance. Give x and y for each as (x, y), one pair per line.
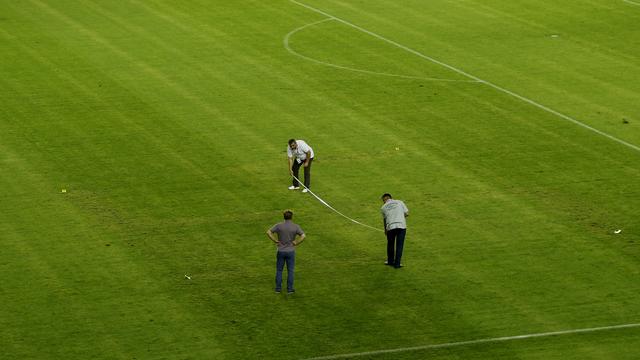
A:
(395, 245)
(282, 257)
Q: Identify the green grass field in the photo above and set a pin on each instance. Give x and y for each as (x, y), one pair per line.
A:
(166, 123)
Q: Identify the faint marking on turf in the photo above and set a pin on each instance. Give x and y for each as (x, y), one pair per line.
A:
(459, 71)
(631, 2)
(473, 342)
(292, 51)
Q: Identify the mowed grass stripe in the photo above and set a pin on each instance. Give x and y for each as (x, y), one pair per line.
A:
(603, 71)
(76, 273)
(606, 73)
(130, 275)
(206, 71)
(252, 64)
(124, 121)
(501, 242)
(557, 20)
(69, 288)
(207, 107)
(149, 69)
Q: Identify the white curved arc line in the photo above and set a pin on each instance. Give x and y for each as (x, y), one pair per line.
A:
(332, 208)
(293, 52)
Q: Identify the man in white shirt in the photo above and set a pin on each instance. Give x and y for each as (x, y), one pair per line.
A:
(300, 154)
(394, 213)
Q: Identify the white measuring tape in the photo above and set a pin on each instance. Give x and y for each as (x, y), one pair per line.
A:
(332, 208)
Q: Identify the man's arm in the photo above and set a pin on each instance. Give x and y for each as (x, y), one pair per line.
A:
(272, 237)
(300, 240)
(291, 165)
(306, 161)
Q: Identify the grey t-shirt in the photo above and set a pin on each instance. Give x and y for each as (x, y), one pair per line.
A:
(393, 212)
(287, 231)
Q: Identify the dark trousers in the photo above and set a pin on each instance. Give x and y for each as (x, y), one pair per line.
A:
(307, 173)
(395, 244)
(282, 257)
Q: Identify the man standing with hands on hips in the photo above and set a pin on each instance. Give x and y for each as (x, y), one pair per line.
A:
(300, 154)
(284, 235)
(394, 213)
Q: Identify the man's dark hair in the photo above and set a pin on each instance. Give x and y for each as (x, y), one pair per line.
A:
(288, 214)
(291, 141)
(386, 195)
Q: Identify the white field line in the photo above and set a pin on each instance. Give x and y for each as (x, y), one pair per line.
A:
(292, 51)
(473, 342)
(459, 71)
(332, 208)
(632, 2)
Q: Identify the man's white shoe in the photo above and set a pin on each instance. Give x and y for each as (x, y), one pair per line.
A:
(294, 187)
(305, 190)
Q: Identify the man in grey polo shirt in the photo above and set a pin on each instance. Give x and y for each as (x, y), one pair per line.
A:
(394, 213)
(287, 232)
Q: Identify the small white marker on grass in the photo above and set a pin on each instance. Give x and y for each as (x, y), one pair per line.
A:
(617, 231)
(187, 277)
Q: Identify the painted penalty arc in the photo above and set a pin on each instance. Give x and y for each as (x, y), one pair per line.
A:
(289, 48)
